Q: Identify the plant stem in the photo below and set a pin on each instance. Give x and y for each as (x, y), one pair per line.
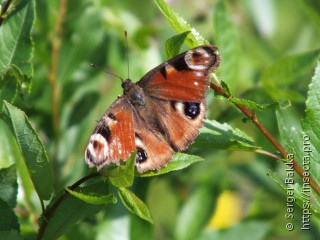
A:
(49, 212)
(269, 136)
(4, 11)
(56, 44)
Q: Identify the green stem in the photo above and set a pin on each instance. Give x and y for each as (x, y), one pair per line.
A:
(4, 11)
(49, 212)
(269, 136)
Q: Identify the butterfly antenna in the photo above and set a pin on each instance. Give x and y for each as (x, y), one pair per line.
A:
(126, 37)
(111, 73)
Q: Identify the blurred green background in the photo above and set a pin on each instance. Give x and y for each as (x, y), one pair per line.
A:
(228, 196)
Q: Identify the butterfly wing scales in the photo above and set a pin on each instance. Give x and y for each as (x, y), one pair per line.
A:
(114, 134)
(184, 77)
(174, 98)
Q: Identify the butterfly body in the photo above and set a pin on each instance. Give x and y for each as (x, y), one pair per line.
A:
(157, 116)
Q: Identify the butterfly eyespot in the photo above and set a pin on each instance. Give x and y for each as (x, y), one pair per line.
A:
(141, 155)
(97, 150)
(191, 110)
(198, 59)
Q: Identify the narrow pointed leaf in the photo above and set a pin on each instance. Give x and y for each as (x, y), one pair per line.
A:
(259, 106)
(173, 45)
(179, 161)
(180, 25)
(215, 135)
(134, 204)
(93, 198)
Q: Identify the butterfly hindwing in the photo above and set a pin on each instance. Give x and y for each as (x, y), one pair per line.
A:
(157, 116)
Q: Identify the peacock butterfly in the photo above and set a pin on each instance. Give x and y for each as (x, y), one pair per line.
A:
(159, 115)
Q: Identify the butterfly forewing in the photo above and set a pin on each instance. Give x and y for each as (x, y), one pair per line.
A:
(113, 139)
(159, 115)
(184, 77)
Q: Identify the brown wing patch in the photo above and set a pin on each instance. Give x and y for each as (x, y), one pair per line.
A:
(181, 129)
(152, 145)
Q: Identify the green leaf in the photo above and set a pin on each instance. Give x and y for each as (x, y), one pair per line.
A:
(173, 45)
(10, 154)
(15, 38)
(180, 25)
(294, 190)
(258, 106)
(225, 88)
(9, 185)
(71, 210)
(16, 50)
(123, 176)
(253, 105)
(93, 198)
(311, 123)
(288, 70)
(215, 135)
(300, 145)
(11, 83)
(32, 149)
(227, 38)
(134, 204)
(179, 161)
(8, 219)
(291, 132)
(194, 214)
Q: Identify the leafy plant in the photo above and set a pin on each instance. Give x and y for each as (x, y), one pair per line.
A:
(49, 97)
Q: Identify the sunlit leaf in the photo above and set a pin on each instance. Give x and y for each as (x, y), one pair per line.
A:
(32, 149)
(134, 204)
(173, 45)
(180, 25)
(215, 135)
(179, 161)
(259, 106)
(311, 123)
(93, 198)
(227, 39)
